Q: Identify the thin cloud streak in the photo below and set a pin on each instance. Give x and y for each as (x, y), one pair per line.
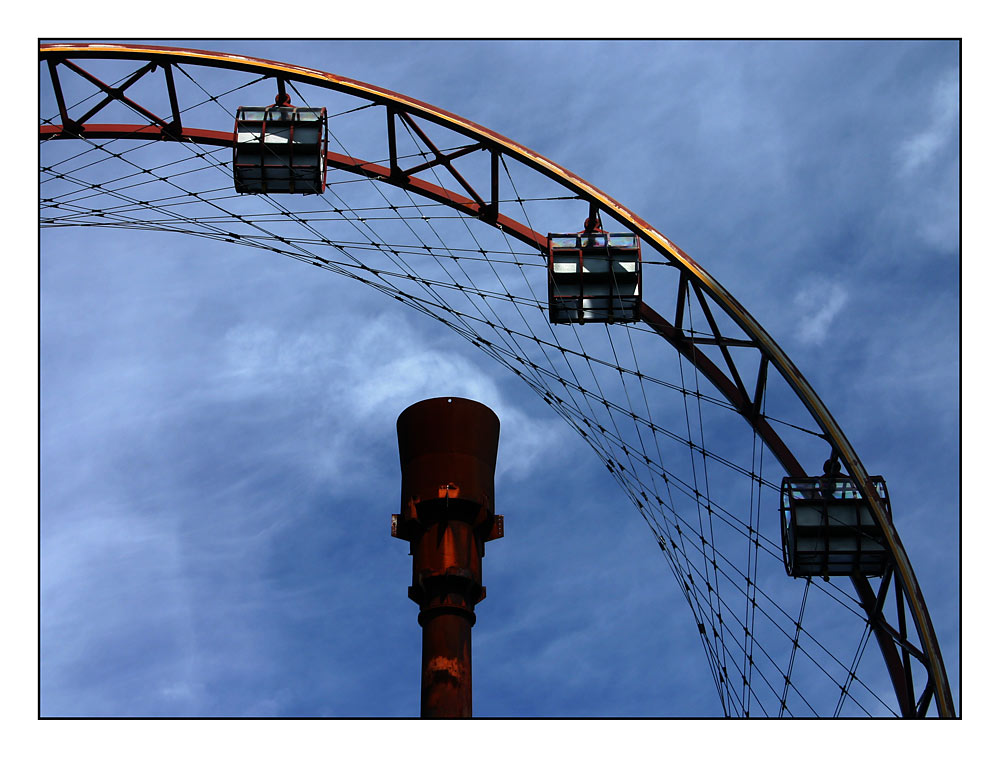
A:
(817, 305)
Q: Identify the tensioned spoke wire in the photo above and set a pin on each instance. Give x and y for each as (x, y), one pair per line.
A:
(424, 245)
(218, 207)
(699, 548)
(583, 390)
(110, 156)
(495, 256)
(590, 439)
(866, 635)
(214, 98)
(795, 646)
(358, 226)
(713, 654)
(220, 104)
(708, 490)
(633, 416)
(785, 673)
(495, 320)
(740, 587)
(713, 612)
(434, 262)
(247, 236)
(440, 264)
(107, 157)
(657, 529)
(312, 212)
(723, 682)
(146, 204)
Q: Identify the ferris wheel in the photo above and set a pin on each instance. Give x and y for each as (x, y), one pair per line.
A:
(780, 541)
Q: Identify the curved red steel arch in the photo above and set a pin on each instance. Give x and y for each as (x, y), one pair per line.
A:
(472, 208)
(770, 351)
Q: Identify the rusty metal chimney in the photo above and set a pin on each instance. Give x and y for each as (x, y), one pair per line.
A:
(447, 455)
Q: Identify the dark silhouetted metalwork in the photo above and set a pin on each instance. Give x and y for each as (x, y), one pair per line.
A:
(280, 149)
(594, 276)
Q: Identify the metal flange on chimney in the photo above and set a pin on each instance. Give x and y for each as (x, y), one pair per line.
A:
(447, 455)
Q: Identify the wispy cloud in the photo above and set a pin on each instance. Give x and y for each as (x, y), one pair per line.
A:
(393, 365)
(927, 168)
(938, 134)
(816, 306)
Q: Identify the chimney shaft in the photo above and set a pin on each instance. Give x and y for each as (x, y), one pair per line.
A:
(447, 456)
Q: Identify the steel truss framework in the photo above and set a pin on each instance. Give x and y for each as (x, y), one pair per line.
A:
(729, 341)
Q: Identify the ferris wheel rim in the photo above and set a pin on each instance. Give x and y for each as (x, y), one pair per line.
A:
(763, 341)
(536, 161)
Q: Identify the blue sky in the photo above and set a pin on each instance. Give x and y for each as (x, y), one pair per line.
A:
(218, 452)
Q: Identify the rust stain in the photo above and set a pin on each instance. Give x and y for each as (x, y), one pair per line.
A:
(450, 666)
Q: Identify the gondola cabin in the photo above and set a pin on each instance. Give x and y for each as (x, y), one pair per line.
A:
(594, 276)
(828, 530)
(280, 149)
